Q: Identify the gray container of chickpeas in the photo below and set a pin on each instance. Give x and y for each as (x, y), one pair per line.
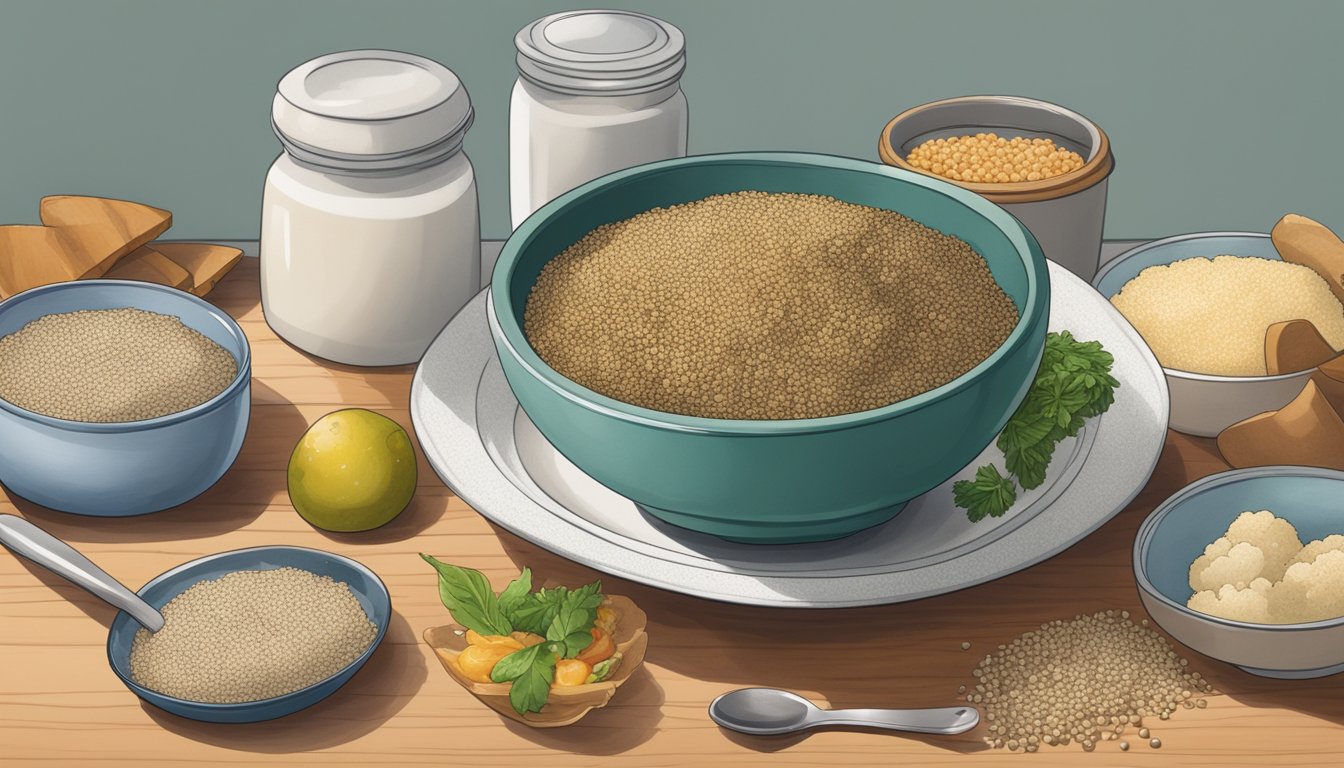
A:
(1043, 163)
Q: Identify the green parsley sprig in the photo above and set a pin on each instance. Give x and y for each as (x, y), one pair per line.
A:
(565, 617)
(1072, 385)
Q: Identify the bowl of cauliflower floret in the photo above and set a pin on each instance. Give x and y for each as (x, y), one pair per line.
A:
(1247, 566)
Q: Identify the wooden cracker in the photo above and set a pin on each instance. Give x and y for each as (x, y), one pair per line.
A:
(99, 231)
(150, 266)
(206, 263)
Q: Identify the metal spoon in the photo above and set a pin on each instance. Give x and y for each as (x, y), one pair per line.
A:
(770, 712)
(46, 550)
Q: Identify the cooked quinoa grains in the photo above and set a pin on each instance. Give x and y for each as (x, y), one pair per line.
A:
(252, 635)
(111, 365)
(756, 305)
(1083, 680)
(989, 158)
(1210, 315)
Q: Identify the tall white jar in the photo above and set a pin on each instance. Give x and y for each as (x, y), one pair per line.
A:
(370, 228)
(597, 91)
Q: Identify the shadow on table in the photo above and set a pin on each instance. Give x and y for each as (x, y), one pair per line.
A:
(386, 684)
(813, 652)
(238, 498)
(630, 719)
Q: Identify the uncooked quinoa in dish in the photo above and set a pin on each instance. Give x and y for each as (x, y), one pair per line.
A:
(111, 365)
(252, 635)
(756, 305)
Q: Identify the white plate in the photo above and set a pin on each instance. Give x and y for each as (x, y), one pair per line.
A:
(484, 447)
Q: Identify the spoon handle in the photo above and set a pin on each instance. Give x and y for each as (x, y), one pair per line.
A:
(941, 720)
(46, 550)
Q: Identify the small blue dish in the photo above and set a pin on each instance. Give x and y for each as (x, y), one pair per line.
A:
(134, 467)
(1182, 526)
(367, 588)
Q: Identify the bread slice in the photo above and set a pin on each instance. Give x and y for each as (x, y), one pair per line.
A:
(150, 266)
(206, 263)
(99, 231)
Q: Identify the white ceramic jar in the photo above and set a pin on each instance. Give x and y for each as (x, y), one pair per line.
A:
(598, 91)
(370, 228)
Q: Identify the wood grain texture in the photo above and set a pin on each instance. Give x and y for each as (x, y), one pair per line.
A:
(61, 705)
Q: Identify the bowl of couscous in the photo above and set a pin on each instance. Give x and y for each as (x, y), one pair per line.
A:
(1203, 302)
(769, 347)
(118, 397)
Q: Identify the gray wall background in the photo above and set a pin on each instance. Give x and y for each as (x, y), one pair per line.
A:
(1223, 114)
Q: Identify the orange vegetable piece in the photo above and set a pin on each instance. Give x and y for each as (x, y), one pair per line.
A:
(571, 672)
(487, 641)
(599, 650)
(477, 661)
(606, 619)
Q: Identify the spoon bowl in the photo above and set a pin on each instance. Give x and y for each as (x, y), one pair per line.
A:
(774, 712)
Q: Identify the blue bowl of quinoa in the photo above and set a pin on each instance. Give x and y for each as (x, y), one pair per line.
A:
(108, 405)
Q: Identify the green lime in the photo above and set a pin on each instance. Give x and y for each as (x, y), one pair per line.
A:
(353, 470)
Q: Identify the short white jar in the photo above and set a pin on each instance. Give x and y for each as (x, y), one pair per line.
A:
(370, 226)
(598, 91)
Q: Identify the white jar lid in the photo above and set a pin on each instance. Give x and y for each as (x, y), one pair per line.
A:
(613, 52)
(370, 104)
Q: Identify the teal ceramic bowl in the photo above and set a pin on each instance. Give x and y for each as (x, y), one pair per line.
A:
(782, 481)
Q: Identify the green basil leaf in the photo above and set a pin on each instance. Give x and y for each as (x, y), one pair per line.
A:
(467, 596)
(530, 671)
(515, 595)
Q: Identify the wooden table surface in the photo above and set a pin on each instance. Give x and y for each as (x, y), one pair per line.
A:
(60, 704)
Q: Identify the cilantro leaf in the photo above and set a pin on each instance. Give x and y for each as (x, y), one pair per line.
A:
(1072, 384)
(990, 494)
(537, 612)
(1029, 464)
(467, 596)
(569, 631)
(530, 671)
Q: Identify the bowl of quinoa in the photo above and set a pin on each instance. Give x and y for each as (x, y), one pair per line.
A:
(769, 347)
(1203, 302)
(252, 634)
(118, 397)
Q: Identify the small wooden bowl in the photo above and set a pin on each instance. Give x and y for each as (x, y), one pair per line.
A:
(565, 705)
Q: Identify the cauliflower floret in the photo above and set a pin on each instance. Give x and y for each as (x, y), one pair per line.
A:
(1250, 604)
(1216, 549)
(1310, 591)
(1318, 547)
(1275, 537)
(1242, 564)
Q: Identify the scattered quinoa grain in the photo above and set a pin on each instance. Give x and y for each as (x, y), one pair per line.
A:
(1155, 743)
(1082, 680)
(965, 646)
(987, 158)
(252, 635)
(1124, 746)
(755, 305)
(111, 365)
